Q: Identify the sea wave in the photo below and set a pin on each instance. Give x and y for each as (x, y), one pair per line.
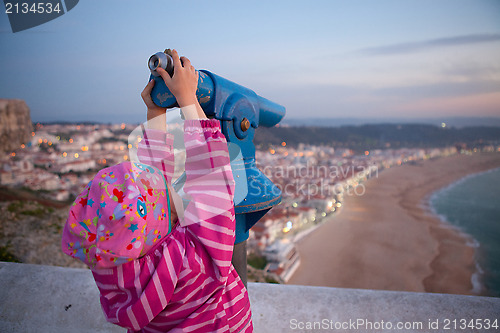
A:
(444, 190)
(477, 278)
(427, 205)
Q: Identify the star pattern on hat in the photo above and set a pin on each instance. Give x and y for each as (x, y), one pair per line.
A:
(133, 227)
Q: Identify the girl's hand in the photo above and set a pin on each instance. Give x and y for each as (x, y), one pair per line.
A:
(156, 115)
(183, 83)
(146, 97)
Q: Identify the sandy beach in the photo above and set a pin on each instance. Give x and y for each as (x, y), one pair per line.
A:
(388, 238)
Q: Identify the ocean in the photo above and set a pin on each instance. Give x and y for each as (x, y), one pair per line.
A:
(472, 204)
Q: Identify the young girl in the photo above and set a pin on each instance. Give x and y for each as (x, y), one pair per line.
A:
(160, 267)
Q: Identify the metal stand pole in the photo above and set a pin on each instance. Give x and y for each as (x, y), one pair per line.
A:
(239, 260)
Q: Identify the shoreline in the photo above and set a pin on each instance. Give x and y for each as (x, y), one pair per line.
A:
(478, 287)
(390, 238)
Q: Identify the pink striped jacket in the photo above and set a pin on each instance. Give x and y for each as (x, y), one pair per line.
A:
(185, 282)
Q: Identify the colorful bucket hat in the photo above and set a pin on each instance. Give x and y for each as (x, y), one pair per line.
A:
(121, 214)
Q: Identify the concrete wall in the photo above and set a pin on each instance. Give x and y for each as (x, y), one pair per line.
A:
(53, 299)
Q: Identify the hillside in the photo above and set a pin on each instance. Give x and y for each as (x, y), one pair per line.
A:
(379, 136)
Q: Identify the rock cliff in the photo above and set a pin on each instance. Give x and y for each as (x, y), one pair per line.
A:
(15, 124)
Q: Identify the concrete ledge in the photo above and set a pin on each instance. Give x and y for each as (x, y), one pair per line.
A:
(35, 298)
(51, 299)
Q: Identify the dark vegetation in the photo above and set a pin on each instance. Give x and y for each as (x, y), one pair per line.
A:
(6, 255)
(379, 136)
(257, 261)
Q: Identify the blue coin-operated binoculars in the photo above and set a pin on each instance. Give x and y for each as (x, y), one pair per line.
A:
(240, 111)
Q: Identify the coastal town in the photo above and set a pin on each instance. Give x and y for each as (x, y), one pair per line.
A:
(60, 159)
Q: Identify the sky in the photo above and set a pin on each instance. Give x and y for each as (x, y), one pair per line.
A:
(362, 59)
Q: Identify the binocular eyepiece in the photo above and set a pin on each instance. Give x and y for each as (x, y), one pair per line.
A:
(163, 60)
(219, 98)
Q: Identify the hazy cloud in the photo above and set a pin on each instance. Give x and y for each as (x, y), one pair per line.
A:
(443, 89)
(474, 71)
(430, 44)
